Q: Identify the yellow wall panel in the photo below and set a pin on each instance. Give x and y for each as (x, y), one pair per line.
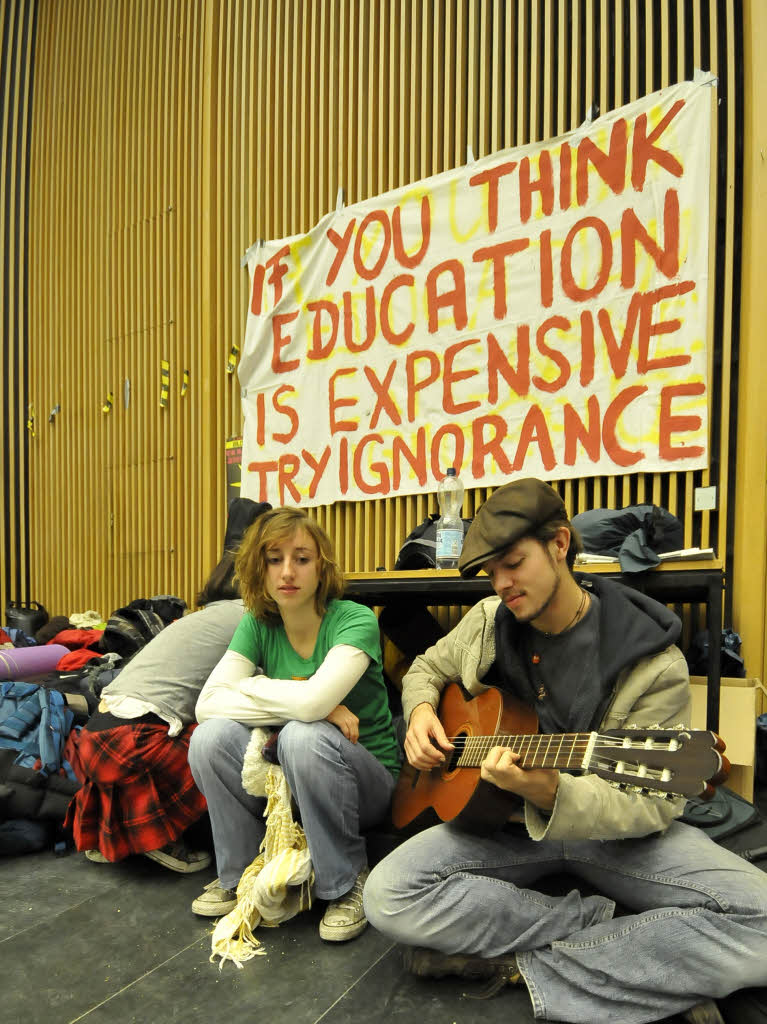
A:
(166, 136)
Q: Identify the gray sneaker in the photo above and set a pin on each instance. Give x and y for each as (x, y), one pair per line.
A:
(96, 857)
(177, 857)
(214, 900)
(344, 918)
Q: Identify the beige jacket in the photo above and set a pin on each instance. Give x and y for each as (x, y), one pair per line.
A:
(655, 691)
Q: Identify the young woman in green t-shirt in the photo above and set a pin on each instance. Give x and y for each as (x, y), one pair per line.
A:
(308, 663)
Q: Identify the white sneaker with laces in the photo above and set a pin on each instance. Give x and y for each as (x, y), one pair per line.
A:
(344, 918)
(214, 900)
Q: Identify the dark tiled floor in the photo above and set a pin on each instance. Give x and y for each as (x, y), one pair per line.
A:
(118, 944)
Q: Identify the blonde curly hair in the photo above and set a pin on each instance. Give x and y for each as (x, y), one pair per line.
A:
(250, 568)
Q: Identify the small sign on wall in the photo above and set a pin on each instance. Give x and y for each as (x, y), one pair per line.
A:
(233, 448)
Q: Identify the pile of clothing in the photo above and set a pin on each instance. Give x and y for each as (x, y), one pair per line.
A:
(50, 684)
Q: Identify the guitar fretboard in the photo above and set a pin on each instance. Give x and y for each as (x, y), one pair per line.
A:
(538, 750)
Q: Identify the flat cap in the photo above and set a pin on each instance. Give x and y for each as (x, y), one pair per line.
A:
(510, 513)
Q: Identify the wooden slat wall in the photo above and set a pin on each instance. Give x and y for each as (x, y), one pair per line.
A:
(17, 42)
(121, 498)
(449, 77)
(168, 136)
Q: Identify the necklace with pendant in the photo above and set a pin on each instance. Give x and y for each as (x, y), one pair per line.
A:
(535, 656)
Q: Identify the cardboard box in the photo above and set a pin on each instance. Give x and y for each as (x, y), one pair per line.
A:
(738, 708)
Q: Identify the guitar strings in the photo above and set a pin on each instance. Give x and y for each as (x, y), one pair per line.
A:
(640, 775)
(550, 750)
(621, 760)
(575, 740)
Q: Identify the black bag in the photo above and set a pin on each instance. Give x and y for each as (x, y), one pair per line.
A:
(745, 1006)
(419, 550)
(721, 816)
(130, 629)
(730, 664)
(18, 835)
(761, 750)
(241, 514)
(167, 606)
(28, 616)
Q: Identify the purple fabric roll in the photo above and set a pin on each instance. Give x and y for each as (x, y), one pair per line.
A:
(27, 662)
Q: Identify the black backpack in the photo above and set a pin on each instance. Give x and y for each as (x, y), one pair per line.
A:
(419, 549)
(167, 606)
(730, 661)
(130, 629)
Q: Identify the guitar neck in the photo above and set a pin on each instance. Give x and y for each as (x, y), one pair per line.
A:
(539, 750)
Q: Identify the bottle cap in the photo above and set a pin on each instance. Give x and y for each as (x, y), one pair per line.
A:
(451, 471)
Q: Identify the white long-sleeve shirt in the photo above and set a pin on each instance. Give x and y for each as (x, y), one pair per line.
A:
(234, 691)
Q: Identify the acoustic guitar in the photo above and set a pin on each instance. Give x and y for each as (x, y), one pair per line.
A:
(657, 762)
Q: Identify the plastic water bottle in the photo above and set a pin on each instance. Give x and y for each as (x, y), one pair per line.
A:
(450, 524)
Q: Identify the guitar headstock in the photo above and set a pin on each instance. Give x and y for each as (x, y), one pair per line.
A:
(661, 762)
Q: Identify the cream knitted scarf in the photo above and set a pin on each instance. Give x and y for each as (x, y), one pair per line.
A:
(278, 884)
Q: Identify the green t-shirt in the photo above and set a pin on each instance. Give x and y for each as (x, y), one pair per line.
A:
(344, 622)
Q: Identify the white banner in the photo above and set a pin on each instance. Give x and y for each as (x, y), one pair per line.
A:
(542, 311)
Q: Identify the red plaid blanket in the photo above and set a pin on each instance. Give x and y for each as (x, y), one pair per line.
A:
(138, 792)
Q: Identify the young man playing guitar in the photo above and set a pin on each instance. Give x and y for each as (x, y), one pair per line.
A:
(585, 653)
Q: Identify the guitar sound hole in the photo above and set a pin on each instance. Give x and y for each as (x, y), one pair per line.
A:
(459, 740)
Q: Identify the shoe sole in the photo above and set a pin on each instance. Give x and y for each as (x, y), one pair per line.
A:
(174, 864)
(206, 910)
(426, 963)
(342, 934)
(96, 857)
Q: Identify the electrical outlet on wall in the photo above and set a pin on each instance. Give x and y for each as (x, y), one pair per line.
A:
(704, 499)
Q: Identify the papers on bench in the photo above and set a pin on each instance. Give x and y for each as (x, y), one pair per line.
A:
(687, 554)
(683, 555)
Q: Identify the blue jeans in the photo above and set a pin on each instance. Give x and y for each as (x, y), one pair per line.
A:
(340, 789)
(696, 927)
